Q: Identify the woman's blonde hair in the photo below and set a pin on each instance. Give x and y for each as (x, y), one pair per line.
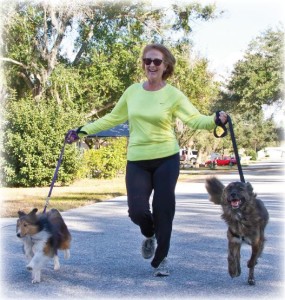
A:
(168, 58)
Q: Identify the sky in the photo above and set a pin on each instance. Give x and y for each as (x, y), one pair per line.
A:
(224, 40)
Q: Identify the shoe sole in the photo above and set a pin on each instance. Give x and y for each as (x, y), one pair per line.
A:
(147, 257)
(161, 274)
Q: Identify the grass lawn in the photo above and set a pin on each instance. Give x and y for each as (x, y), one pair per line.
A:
(80, 193)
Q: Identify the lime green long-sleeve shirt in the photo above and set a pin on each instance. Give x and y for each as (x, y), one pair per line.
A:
(151, 116)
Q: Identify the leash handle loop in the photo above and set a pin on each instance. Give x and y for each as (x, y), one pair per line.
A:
(220, 125)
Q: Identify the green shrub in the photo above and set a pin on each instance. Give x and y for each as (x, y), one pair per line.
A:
(34, 135)
(105, 162)
(252, 153)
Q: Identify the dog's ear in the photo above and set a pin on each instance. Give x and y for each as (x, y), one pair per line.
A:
(249, 188)
(21, 213)
(33, 212)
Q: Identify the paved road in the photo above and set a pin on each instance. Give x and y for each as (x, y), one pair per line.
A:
(106, 261)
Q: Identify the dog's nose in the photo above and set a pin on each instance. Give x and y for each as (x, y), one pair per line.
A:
(234, 195)
(18, 235)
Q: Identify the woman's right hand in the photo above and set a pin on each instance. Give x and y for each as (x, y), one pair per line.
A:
(71, 136)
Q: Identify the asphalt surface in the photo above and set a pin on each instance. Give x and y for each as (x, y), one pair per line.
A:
(106, 261)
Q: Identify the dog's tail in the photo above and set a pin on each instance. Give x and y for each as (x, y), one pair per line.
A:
(215, 189)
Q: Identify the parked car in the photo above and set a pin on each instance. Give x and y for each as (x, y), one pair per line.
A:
(221, 161)
(188, 158)
(225, 161)
(188, 155)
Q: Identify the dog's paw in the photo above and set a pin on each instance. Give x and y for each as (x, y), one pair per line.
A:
(66, 254)
(234, 271)
(36, 281)
(36, 276)
(251, 281)
(234, 274)
(56, 266)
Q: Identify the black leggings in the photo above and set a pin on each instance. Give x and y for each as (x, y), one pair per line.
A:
(160, 176)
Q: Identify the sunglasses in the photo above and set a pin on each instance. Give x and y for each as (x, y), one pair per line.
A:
(157, 62)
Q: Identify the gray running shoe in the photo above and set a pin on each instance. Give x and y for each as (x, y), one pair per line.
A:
(148, 247)
(162, 269)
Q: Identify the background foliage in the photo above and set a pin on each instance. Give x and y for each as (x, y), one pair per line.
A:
(67, 64)
(33, 141)
(106, 162)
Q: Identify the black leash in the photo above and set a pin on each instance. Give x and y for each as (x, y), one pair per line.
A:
(54, 176)
(235, 149)
(233, 142)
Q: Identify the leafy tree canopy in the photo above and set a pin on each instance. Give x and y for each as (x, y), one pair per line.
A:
(35, 33)
(48, 91)
(258, 78)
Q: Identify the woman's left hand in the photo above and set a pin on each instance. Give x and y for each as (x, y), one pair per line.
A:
(223, 117)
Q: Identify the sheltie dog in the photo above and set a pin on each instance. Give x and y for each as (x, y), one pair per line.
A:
(43, 235)
(246, 217)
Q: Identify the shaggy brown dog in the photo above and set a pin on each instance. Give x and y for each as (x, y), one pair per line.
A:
(246, 217)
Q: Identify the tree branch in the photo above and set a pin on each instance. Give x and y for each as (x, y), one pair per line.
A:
(27, 80)
(60, 28)
(83, 46)
(14, 62)
(96, 111)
